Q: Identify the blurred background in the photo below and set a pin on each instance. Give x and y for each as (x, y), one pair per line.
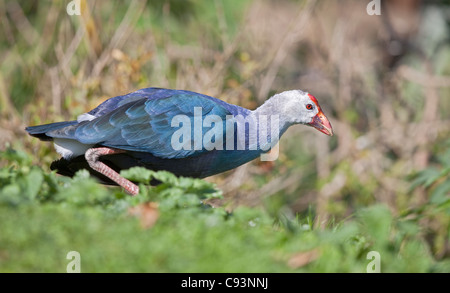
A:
(382, 80)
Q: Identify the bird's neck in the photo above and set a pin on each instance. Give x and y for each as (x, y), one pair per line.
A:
(273, 108)
(271, 124)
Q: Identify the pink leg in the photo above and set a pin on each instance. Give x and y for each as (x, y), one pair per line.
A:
(92, 156)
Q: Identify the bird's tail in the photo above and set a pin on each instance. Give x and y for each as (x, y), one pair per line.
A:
(40, 131)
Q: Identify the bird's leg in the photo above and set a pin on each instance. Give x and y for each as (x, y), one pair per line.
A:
(92, 156)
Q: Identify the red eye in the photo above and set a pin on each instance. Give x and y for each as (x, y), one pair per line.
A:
(309, 107)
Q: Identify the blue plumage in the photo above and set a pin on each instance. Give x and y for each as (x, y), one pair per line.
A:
(140, 123)
(147, 128)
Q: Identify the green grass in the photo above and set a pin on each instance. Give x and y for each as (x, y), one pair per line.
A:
(382, 183)
(44, 216)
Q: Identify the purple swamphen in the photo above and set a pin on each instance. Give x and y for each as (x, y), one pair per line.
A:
(186, 133)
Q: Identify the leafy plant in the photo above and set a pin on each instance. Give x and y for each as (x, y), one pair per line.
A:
(436, 181)
(169, 228)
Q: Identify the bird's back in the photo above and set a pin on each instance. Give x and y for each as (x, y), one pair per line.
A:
(141, 124)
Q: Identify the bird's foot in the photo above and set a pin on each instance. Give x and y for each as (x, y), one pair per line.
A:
(92, 156)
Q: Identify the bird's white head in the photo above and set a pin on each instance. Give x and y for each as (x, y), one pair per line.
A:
(299, 107)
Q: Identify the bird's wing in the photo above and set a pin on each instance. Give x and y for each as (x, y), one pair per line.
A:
(144, 125)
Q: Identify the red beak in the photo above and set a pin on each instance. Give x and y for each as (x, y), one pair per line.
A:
(321, 123)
